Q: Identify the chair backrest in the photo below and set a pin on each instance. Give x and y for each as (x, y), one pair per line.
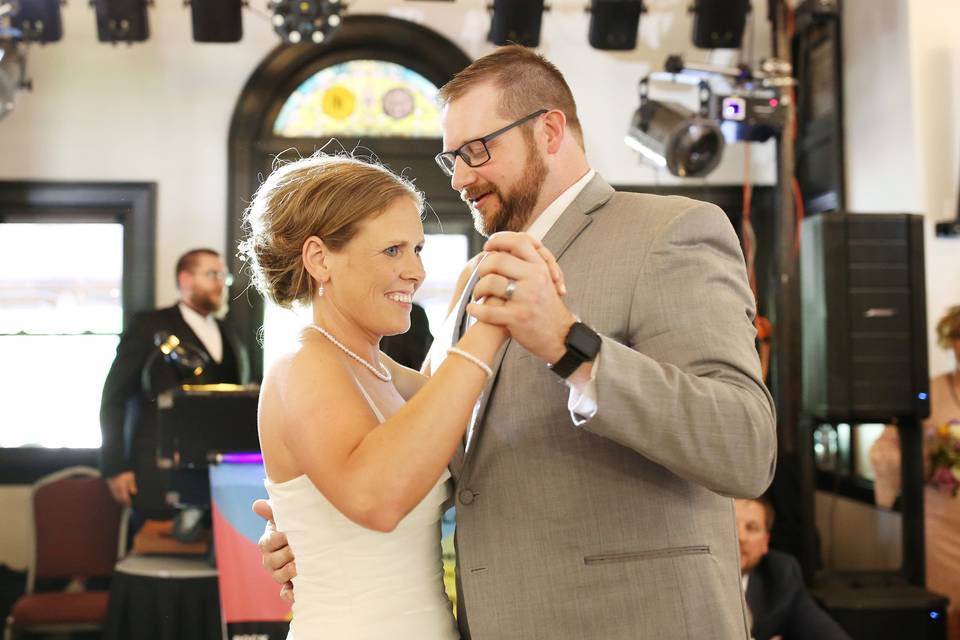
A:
(77, 526)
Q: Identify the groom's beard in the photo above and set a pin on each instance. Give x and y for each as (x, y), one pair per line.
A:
(516, 207)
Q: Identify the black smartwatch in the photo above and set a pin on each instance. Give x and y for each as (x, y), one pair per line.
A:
(583, 345)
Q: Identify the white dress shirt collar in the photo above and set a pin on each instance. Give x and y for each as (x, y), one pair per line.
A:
(545, 221)
(206, 328)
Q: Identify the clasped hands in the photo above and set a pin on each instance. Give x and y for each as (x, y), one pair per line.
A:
(524, 283)
(519, 270)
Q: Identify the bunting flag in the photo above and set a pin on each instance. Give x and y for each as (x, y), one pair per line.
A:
(249, 598)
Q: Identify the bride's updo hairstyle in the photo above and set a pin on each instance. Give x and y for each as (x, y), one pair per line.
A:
(327, 196)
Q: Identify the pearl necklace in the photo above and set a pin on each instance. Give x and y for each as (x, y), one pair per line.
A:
(383, 373)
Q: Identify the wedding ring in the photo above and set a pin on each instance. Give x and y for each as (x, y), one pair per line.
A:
(510, 290)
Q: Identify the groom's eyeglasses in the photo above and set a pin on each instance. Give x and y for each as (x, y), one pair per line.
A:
(225, 276)
(475, 152)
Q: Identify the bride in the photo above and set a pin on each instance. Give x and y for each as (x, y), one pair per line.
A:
(356, 447)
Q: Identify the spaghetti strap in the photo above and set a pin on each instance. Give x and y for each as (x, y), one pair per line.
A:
(366, 395)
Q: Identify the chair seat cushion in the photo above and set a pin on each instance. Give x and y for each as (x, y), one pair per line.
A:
(60, 608)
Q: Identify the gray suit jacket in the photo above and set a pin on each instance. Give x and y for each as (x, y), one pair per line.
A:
(622, 527)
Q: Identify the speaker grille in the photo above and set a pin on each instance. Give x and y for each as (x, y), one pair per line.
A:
(864, 317)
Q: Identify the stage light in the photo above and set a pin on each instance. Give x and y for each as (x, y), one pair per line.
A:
(216, 20)
(719, 24)
(687, 134)
(186, 360)
(515, 22)
(37, 20)
(299, 21)
(614, 24)
(13, 69)
(751, 115)
(672, 136)
(121, 20)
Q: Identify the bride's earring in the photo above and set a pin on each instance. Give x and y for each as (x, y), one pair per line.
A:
(320, 290)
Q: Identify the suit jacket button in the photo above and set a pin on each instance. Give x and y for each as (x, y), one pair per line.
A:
(467, 496)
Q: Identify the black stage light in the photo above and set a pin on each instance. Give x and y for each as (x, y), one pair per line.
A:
(515, 22)
(306, 20)
(753, 115)
(37, 20)
(216, 20)
(121, 20)
(719, 24)
(614, 24)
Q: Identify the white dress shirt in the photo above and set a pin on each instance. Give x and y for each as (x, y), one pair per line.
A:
(207, 330)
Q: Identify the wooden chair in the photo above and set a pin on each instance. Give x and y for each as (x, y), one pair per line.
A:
(79, 532)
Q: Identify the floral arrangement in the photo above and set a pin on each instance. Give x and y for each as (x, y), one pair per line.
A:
(945, 458)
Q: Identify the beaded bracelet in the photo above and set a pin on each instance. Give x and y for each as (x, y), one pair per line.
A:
(472, 358)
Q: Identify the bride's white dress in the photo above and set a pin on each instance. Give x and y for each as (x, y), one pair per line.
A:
(355, 583)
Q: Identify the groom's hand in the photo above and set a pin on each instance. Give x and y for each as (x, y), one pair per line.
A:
(275, 553)
(534, 315)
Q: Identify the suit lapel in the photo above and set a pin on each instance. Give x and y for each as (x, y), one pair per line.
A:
(561, 235)
(577, 216)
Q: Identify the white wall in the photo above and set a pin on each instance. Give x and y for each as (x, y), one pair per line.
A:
(935, 55)
(160, 111)
(902, 123)
(16, 540)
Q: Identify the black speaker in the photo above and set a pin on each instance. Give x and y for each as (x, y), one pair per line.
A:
(121, 20)
(516, 21)
(38, 20)
(217, 20)
(718, 24)
(864, 317)
(879, 607)
(614, 24)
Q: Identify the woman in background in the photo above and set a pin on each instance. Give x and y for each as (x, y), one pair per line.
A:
(940, 507)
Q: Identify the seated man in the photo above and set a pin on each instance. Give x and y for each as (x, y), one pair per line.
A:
(776, 597)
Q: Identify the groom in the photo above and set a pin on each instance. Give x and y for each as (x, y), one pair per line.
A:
(594, 491)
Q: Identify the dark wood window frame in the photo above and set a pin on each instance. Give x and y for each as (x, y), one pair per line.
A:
(132, 204)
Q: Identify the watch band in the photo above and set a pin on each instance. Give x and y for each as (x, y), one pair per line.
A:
(583, 345)
(565, 366)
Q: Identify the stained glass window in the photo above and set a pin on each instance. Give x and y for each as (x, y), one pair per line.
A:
(361, 98)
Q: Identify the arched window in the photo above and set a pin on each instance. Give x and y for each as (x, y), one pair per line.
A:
(361, 98)
(371, 88)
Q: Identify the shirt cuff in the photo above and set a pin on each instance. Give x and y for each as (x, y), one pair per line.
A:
(582, 403)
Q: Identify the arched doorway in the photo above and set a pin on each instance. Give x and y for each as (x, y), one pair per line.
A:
(369, 88)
